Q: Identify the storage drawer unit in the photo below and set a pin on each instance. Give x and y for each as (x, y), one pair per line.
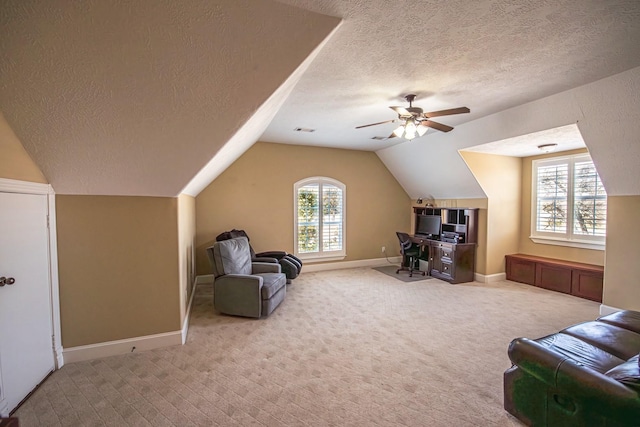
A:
(574, 278)
(453, 262)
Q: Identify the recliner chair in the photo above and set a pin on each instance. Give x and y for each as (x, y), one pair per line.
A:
(290, 264)
(242, 287)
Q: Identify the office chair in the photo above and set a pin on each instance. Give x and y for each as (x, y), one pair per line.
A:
(410, 254)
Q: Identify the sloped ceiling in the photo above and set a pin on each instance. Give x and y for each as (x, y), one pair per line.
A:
(605, 111)
(488, 55)
(124, 97)
(139, 98)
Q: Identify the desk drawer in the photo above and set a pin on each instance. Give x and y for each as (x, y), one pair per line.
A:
(446, 255)
(446, 269)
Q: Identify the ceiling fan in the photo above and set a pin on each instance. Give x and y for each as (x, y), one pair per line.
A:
(414, 122)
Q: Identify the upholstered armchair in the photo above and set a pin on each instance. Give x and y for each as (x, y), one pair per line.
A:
(242, 287)
(291, 265)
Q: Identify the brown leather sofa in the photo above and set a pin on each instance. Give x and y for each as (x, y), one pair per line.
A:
(585, 375)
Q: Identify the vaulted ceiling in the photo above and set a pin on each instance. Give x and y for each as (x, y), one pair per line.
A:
(157, 97)
(135, 98)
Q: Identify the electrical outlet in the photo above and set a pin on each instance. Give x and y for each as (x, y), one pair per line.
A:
(383, 249)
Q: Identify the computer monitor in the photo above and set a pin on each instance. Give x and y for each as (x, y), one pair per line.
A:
(428, 225)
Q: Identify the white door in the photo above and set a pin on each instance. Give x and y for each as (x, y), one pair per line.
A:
(26, 347)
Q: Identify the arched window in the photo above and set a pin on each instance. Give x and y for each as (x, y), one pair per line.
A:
(320, 219)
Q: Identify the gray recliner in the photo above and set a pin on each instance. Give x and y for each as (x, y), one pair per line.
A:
(242, 287)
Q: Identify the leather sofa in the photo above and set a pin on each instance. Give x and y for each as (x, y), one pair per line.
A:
(585, 375)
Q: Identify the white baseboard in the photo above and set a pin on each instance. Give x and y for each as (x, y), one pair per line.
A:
(490, 278)
(113, 348)
(187, 316)
(376, 262)
(58, 354)
(606, 309)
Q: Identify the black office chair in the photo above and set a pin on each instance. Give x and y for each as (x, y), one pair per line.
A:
(410, 254)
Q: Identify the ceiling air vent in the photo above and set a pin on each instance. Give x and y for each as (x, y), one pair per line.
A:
(304, 130)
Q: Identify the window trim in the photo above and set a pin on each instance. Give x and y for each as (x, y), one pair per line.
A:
(320, 256)
(567, 239)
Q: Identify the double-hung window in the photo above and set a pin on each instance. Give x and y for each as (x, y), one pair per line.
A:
(319, 212)
(569, 204)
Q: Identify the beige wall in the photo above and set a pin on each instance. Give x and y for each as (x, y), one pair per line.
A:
(527, 246)
(256, 194)
(118, 267)
(15, 162)
(186, 249)
(622, 268)
(500, 178)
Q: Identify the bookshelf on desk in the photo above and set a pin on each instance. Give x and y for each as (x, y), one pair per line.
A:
(452, 254)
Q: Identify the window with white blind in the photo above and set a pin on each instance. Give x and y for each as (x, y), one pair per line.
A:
(569, 204)
(319, 213)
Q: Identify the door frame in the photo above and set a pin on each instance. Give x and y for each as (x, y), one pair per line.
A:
(25, 187)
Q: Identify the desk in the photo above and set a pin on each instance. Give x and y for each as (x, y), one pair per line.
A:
(452, 262)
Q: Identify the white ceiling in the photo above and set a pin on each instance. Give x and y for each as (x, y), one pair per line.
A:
(562, 138)
(137, 98)
(487, 55)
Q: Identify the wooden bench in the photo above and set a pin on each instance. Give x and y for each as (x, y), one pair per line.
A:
(574, 278)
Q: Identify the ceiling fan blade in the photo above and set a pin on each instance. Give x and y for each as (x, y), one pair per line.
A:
(374, 124)
(449, 112)
(436, 125)
(401, 111)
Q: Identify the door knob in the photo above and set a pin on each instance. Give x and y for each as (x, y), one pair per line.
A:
(7, 281)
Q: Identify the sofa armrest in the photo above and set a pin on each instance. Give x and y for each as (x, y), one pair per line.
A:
(238, 294)
(535, 359)
(272, 254)
(265, 259)
(265, 267)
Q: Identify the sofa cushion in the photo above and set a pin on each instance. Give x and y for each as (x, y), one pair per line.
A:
(627, 373)
(620, 342)
(626, 319)
(580, 352)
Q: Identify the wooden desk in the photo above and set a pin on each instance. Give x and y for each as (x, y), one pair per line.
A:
(452, 262)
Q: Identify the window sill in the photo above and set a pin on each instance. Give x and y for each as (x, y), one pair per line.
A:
(311, 258)
(598, 246)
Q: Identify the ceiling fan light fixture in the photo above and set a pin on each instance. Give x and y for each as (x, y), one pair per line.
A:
(410, 127)
(547, 148)
(399, 131)
(415, 122)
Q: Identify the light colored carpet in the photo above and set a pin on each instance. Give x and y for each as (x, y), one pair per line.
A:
(403, 276)
(346, 348)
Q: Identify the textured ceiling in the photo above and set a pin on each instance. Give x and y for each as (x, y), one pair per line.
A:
(564, 138)
(486, 55)
(135, 97)
(140, 98)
